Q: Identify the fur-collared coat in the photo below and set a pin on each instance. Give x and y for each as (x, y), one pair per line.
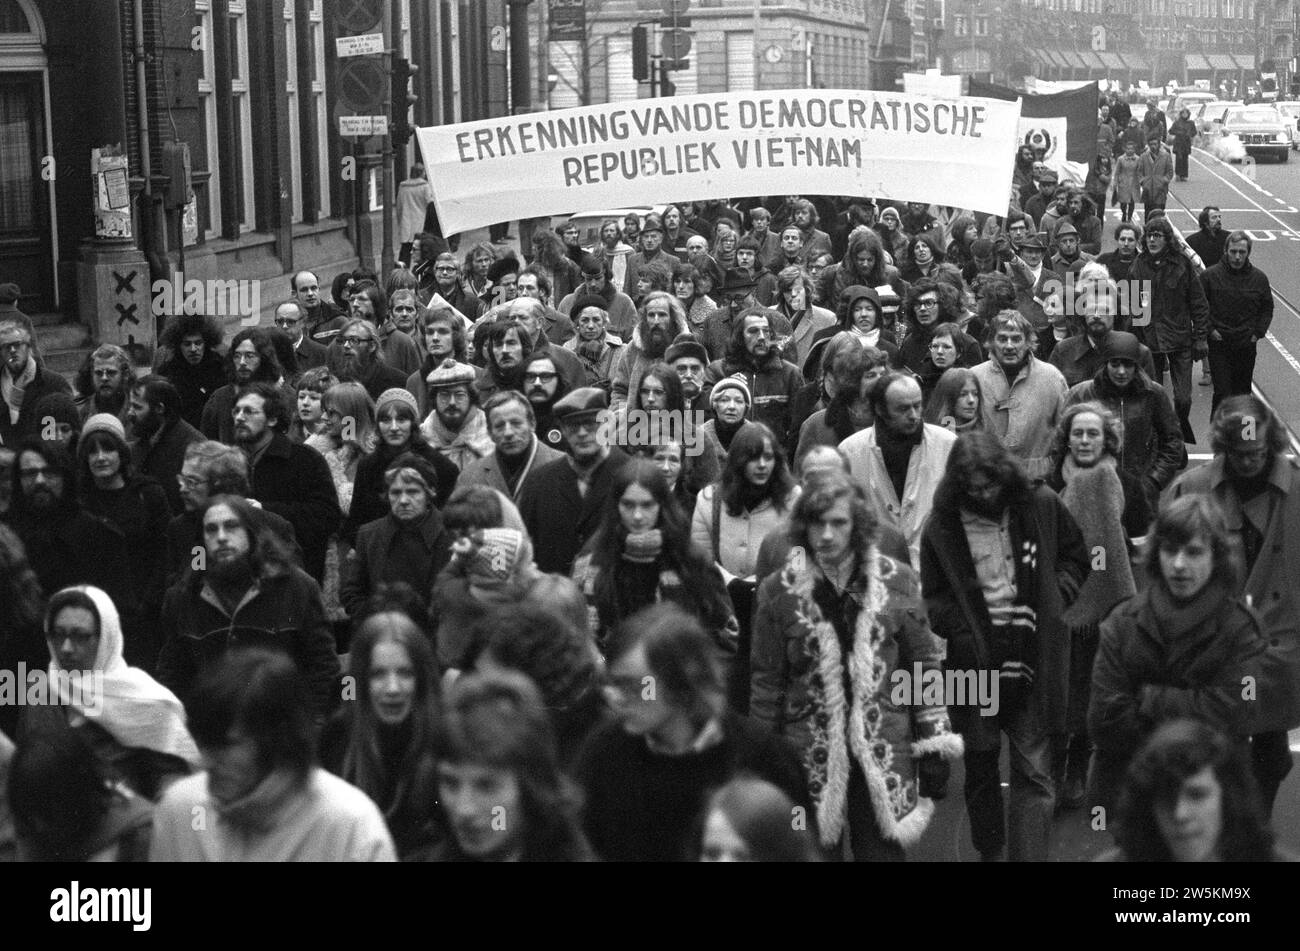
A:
(798, 689)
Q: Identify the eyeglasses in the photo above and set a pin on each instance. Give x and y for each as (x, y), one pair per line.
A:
(80, 638)
(287, 321)
(30, 475)
(540, 377)
(355, 341)
(13, 347)
(927, 303)
(190, 482)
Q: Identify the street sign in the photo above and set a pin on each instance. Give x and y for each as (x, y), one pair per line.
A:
(675, 44)
(363, 125)
(359, 45)
(568, 20)
(362, 85)
(676, 7)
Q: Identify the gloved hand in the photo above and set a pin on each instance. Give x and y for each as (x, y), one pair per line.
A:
(1200, 350)
(932, 773)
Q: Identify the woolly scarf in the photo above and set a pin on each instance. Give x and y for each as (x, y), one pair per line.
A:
(1189, 630)
(471, 442)
(1095, 497)
(849, 728)
(868, 338)
(642, 548)
(257, 812)
(135, 709)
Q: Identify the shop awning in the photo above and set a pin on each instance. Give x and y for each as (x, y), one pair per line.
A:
(1075, 60)
(1111, 60)
(1195, 62)
(1091, 60)
(1136, 62)
(1055, 58)
(1221, 61)
(1245, 60)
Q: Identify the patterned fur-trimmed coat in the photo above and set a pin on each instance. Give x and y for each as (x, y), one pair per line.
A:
(799, 690)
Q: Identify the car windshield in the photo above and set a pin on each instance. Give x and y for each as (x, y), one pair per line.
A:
(1252, 115)
(1289, 109)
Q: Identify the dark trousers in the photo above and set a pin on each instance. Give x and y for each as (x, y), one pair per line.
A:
(1033, 795)
(498, 231)
(1126, 210)
(864, 834)
(1232, 367)
(743, 595)
(1270, 755)
(1180, 164)
(1179, 364)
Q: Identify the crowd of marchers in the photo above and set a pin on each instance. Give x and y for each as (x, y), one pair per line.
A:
(376, 583)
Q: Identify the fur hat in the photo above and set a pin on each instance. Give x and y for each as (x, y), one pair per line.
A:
(686, 345)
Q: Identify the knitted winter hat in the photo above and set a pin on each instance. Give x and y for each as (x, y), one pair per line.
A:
(497, 556)
(104, 422)
(450, 373)
(736, 382)
(396, 395)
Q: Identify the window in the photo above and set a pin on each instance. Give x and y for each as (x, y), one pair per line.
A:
(208, 111)
(242, 114)
(959, 26)
(291, 113)
(981, 26)
(315, 54)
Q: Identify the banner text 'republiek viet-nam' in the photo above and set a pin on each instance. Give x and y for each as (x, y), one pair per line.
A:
(956, 152)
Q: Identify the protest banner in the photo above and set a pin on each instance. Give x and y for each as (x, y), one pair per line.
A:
(958, 151)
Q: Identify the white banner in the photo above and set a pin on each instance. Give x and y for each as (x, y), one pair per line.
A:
(932, 83)
(948, 151)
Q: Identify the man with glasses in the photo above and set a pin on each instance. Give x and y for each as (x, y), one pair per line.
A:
(1259, 487)
(357, 359)
(545, 386)
(456, 427)
(250, 359)
(22, 382)
(597, 282)
(753, 356)
(563, 503)
(289, 318)
(447, 285)
(102, 382)
(65, 545)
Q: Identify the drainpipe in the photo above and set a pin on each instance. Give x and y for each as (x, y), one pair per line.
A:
(149, 238)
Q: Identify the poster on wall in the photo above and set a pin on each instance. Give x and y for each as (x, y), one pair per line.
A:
(109, 168)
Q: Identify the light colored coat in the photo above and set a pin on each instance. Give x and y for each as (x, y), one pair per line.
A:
(740, 535)
(799, 343)
(924, 471)
(1024, 413)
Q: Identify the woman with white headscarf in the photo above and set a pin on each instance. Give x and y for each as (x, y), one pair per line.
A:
(135, 725)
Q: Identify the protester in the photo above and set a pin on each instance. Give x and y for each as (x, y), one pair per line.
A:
(1026, 557)
(191, 362)
(309, 416)
(262, 797)
(1180, 647)
(382, 741)
(456, 426)
(647, 774)
(1240, 302)
(1258, 487)
(250, 359)
(1188, 797)
(496, 758)
(954, 403)
(852, 616)
(517, 452)
(749, 820)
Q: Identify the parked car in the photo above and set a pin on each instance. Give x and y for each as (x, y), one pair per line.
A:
(1261, 128)
(589, 222)
(1191, 100)
(1291, 111)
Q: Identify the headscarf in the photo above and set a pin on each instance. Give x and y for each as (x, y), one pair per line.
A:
(135, 709)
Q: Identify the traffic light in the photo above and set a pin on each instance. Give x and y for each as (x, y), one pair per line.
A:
(399, 125)
(641, 54)
(666, 86)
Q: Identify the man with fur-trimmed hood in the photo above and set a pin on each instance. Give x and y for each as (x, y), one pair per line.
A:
(854, 619)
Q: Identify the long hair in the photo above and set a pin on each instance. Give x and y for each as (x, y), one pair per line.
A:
(59, 460)
(498, 720)
(746, 446)
(822, 489)
(549, 249)
(441, 316)
(1184, 520)
(943, 400)
(1237, 416)
(1177, 751)
(680, 656)
(761, 815)
(269, 551)
(269, 369)
(1109, 429)
(979, 452)
(535, 639)
(413, 783)
(180, 326)
(674, 398)
(262, 693)
(353, 402)
(866, 240)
